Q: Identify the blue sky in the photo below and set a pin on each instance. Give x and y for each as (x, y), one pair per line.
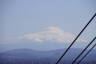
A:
(20, 17)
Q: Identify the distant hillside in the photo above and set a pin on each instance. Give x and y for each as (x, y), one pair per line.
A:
(28, 56)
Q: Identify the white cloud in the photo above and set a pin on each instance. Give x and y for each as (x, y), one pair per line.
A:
(50, 34)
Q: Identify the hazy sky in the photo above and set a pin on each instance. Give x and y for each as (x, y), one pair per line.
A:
(21, 17)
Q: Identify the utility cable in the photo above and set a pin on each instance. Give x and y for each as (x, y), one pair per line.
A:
(75, 39)
(86, 54)
(83, 50)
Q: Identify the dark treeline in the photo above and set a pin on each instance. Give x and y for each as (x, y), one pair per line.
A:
(42, 62)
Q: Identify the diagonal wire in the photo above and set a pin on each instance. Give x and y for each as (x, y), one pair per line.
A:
(75, 39)
(83, 50)
(87, 53)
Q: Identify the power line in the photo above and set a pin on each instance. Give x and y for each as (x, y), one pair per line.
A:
(83, 50)
(86, 54)
(75, 39)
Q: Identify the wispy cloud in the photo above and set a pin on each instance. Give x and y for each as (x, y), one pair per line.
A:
(53, 34)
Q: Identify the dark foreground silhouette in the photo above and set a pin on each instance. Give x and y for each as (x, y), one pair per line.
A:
(28, 56)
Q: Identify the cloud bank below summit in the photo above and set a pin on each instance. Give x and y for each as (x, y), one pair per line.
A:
(53, 34)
